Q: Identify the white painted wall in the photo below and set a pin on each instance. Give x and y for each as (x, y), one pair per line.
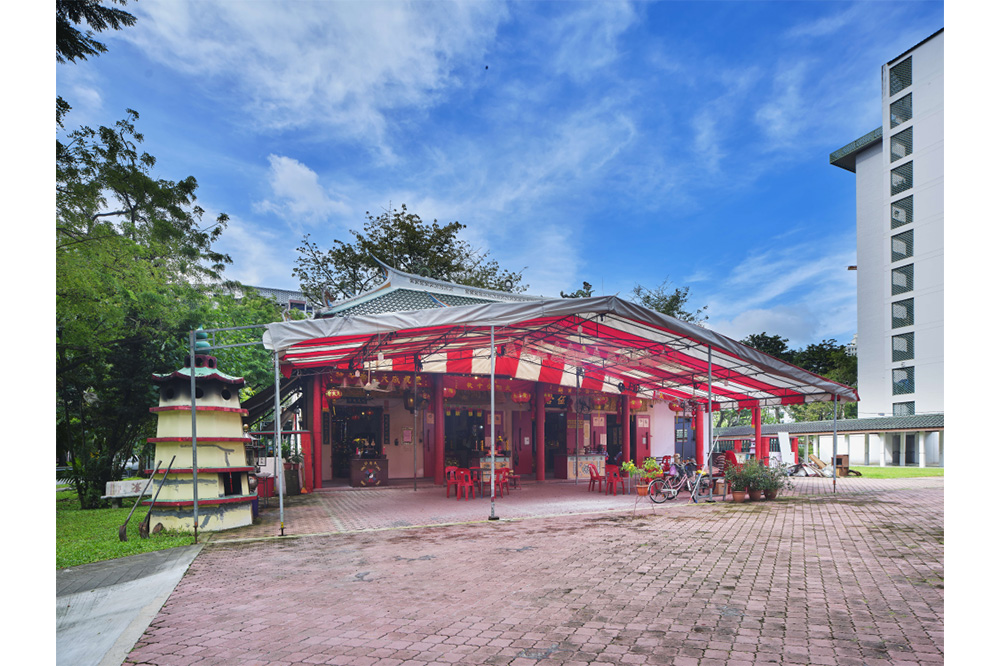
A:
(874, 233)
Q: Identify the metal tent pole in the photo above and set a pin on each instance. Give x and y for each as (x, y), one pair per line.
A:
(277, 444)
(493, 428)
(835, 445)
(194, 437)
(711, 444)
(578, 428)
(414, 438)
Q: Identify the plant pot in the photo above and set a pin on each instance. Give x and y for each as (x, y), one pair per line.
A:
(755, 495)
(642, 489)
(739, 495)
(770, 494)
(292, 466)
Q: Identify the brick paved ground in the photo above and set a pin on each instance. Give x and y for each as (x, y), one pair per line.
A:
(854, 579)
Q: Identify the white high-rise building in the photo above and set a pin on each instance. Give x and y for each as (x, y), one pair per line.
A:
(899, 170)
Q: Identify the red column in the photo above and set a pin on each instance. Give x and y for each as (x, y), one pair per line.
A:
(795, 449)
(439, 429)
(699, 437)
(539, 432)
(759, 448)
(626, 429)
(314, 456)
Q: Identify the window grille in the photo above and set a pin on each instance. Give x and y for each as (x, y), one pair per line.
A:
(902, 347)
(902, 279)
(902, 178)
(902, 381)
(902, 211)
(903, 408)
(901, 144)
(900, 76)
(902, 245)
(901, 110)
(902, 313)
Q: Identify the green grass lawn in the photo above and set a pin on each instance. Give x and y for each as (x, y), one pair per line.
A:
(898, 472)
(92, 536)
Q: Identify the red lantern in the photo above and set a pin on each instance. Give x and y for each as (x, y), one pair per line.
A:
(521, 397)
(674, 407)
(635, 403)
(448, 392)
(333, 393)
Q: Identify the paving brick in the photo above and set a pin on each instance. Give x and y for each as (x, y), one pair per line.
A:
(396, 576)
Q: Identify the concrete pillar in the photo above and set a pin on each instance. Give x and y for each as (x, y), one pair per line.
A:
(867, 445)
(922, 448)
(438, 399)
(699, 437)
(941, 447)
(883, 442)
(626, 429)
(539, 432)
(760, 450)
(314, 457)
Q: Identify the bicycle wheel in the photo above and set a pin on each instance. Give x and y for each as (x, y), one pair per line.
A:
(657, 491)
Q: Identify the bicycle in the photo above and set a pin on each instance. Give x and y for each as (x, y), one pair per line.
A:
(688, 478)
(672, 483)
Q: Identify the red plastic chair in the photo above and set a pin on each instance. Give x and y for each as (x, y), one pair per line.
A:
(450, 479)
(614, 477)
(465, 486)
(502, 481)
(595, 478)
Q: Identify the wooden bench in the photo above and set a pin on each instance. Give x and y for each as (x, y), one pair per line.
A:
(116, 491)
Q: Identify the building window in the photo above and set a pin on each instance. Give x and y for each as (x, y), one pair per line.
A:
(902, 381)
(901, 144)
(902, 279)
(902, 347)
(902, 245)
(900, 111)
(903, 409)
(902, 211)
(900, 76)
(902, 178)
(902, 313)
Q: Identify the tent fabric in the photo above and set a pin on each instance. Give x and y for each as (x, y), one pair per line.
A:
(614, 346)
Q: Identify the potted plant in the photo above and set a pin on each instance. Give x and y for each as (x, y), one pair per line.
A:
(756, 474)
(738, 478)
(775, 481)
(651, 469)
(292, 458)
(630, 469)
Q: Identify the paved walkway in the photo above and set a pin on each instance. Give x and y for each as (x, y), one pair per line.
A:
(103, 608)
(395, 577)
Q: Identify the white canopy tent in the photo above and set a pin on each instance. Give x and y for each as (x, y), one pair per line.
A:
(612, 345)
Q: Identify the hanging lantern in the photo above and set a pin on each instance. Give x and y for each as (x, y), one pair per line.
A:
(600, 400)
(521, 397)
(448, 392)
(635, 403)
(675, 407)
(333, 393)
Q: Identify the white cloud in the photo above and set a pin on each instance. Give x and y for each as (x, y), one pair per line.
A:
(586, 40)
(298, 193)
(337, 65)
(261, 256)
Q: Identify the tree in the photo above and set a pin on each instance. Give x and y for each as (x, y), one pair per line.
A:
(71, 43)
(133, 265)
(826, 358)
(586, 292)
(774, 345)
(402, 240)
(671, 303)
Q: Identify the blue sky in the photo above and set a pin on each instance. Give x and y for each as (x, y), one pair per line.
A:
(617, 143)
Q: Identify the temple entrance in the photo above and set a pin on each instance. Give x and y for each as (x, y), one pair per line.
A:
(354, 431)
(555, 440)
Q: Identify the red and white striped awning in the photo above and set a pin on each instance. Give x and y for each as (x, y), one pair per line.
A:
(613, 345)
